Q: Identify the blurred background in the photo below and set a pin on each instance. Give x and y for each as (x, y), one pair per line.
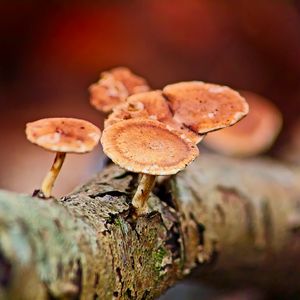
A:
(51, 51)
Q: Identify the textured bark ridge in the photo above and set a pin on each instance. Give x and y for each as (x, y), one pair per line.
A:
(219, 214)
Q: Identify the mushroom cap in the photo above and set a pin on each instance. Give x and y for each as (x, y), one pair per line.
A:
(123, 112)
(183, 131)
(205, 107)
(254, 134)
(147, 146)
(143, 105)
(153, 102)
(63, 134)
(114, 87)
(132, 82)
(105, 98)
(150, 105)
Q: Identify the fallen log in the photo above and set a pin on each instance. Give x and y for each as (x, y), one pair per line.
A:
(219, 214)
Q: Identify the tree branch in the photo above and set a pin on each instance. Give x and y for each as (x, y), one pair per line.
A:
(219, 214)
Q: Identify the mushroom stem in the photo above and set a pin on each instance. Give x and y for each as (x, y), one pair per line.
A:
(49, 180)
(142, 193)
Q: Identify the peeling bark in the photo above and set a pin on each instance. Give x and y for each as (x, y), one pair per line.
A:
(219, 215)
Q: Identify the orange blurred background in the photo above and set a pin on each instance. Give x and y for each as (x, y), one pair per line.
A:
(52, 50)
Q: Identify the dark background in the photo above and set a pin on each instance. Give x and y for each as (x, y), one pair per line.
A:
(50, 51)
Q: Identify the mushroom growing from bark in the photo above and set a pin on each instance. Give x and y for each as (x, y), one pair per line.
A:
(136, 133)
(114, 87)
(147, 147)
(61, 135)
(254, 134)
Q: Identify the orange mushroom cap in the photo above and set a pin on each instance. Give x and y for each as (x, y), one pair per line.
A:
(149, 105)
(114, 87)
(125, 112)
(205, 107)
(63, 134)
(183, 131)
(153, 102)
(147, 146)
(144, 105)
(132, 82)
(254, 134)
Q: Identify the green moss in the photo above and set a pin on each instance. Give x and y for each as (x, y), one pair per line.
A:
(158, 257)
(120, 222)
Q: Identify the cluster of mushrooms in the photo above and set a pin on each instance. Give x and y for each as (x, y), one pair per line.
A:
(148, 132)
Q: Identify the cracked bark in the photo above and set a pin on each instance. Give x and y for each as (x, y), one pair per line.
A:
(221, 215)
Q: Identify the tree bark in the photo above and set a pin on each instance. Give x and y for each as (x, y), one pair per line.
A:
(221, 215)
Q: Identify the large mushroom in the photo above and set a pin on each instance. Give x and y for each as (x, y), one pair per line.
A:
(114, 87)
(61, 135)
(205, 107)
(147, 147)
(254, 134)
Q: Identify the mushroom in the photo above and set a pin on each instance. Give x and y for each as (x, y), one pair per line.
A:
(150, 105)
(254, 134)
(148, 147)
(205, 107)
(114, 87)
(61, 135)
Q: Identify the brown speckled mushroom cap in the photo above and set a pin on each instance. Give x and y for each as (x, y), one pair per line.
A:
(183, 131)
(63, 134)
(147, 146)
(205, 107)
(114, 87)
(132, 82)
(150, 105)
(153, 102)
(254, 134)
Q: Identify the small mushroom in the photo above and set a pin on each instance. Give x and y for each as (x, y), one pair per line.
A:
(205, 107)
(147, 147)
(114, 87)
(61, 135)
(150, 105)
(254, 134)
